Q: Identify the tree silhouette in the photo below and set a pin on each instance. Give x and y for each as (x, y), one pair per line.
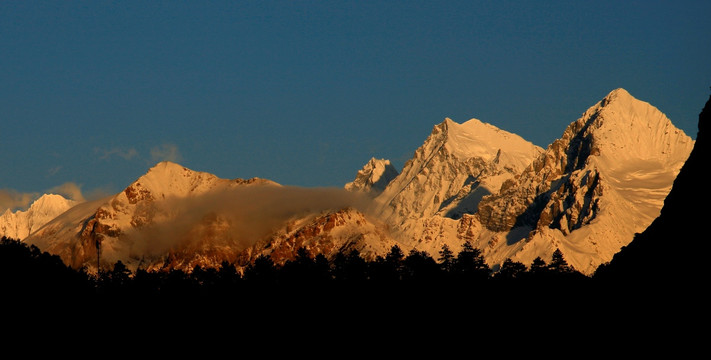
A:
(470, 264)
(511, 270)
(321, 269)
(228, 278)
(177, 282)
(27, 271)
(538, 267)
(147, 283)
(395, 256)
(262, 270)
(446, 259)
(206, 279)
(419, 267)
(119, 276)
(559, 264)
(350, 268)
(387, 269)
(300, 270)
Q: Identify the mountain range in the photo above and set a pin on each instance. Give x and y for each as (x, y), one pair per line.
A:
(587, 194)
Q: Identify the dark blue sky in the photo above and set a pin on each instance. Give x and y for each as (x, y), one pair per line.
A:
(305, 92)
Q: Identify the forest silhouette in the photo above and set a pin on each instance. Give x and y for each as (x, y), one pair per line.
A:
(24, 269)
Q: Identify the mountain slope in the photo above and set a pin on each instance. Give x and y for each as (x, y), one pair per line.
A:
(648, 259)
(174, 217)
(603, 181)
(169, 206)
(456, 166)
(326, 233)
(20, 224)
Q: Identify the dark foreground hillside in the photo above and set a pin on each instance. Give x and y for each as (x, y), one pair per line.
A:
(673, 252)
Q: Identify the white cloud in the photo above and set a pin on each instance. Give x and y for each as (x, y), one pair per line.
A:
(166, 152)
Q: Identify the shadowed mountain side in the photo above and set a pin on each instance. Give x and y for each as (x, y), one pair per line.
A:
(673, 249)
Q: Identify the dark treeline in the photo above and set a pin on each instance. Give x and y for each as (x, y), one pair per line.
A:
(24, 269)
(414, 288)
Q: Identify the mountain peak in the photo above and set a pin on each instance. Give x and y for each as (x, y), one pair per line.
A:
(374, 176)
(169, 179)
(611, 169)
(448, 123)
(51, 201)
(20, 224)
(475, 138)
(166, 166)
(618, 93)
(620, 127)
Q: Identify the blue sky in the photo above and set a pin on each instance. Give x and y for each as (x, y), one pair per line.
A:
(305, 92)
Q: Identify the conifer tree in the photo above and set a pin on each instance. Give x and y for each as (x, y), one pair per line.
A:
(538, 268)
(511, 270)
(559, 264)
(446, 259)
(470, 263)
(420, 267)
(262, 270)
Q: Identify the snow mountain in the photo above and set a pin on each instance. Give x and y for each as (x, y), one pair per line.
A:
(20, 224)
(648, 259)
(374, 177)
(146, 221)
(455, 168)
(603, 181)
(174, 217)
(587, 194)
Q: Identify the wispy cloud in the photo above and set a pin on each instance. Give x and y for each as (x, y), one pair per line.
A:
(14, 200)
(54, 170)
(252, 213)
(126, 154)
(166, 152)
(69, 190)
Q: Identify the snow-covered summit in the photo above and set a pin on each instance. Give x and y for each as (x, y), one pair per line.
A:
(168, 179)
(122, 222)
(603, 181)
(454, 168)
(373, 177)
(20, 224)
(623, 128)
(475, 138)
